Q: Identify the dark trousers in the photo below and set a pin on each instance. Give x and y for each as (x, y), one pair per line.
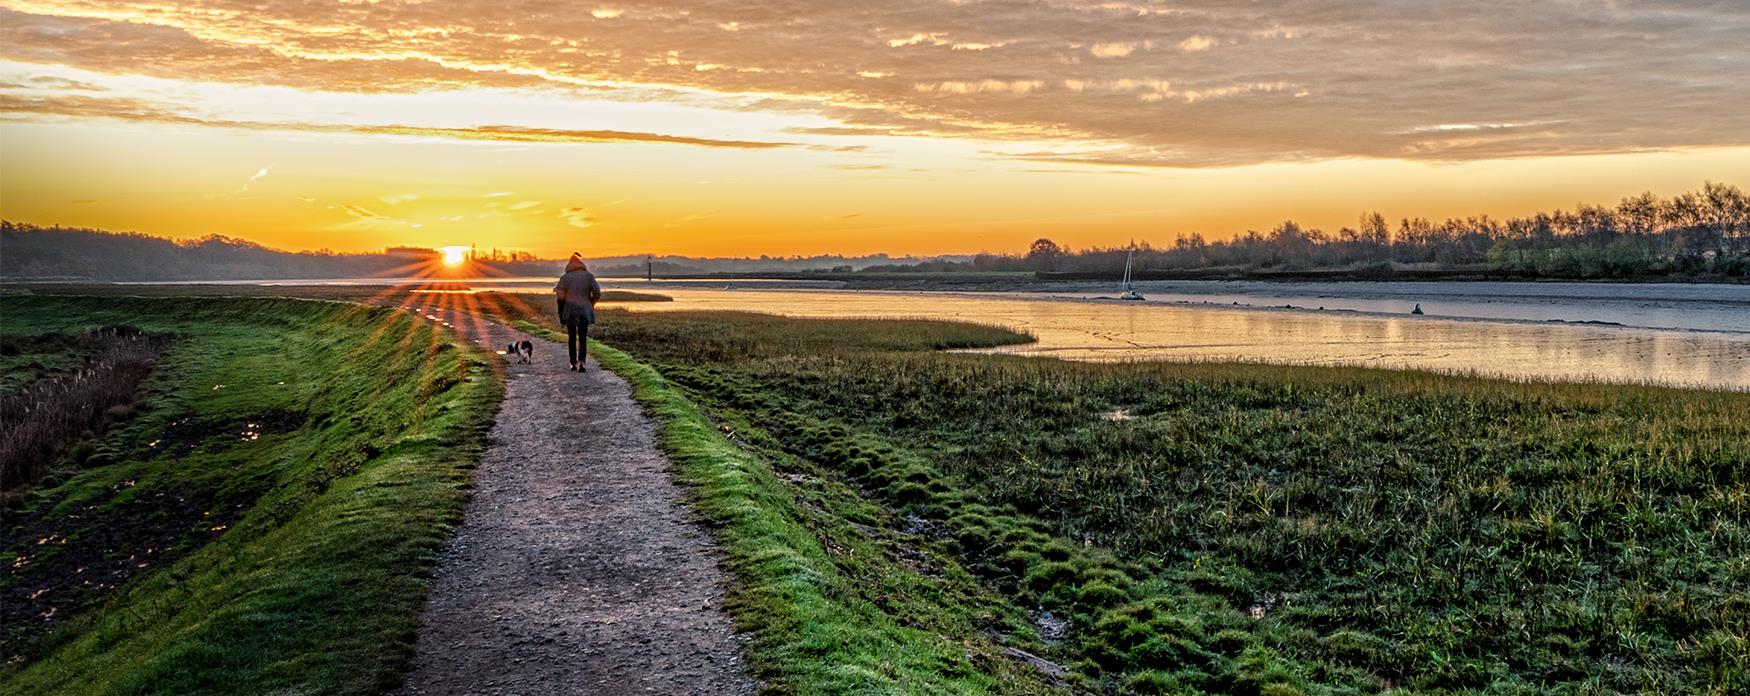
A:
(577, 340)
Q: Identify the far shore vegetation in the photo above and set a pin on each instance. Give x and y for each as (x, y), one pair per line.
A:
(1703, 234)
(1697, 236)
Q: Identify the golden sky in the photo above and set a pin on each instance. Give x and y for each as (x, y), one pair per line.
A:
(822, 126)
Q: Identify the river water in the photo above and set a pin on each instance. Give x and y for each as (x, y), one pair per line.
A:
(1699, 306)
(1110, 330)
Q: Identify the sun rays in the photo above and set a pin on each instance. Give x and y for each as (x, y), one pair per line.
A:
(434, 291)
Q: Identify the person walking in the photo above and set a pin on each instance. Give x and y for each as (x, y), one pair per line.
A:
(578, 292)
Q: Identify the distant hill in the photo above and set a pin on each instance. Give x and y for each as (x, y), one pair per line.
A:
(29, 252)
(35, 253)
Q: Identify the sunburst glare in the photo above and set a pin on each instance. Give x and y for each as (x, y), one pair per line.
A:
(454, 255)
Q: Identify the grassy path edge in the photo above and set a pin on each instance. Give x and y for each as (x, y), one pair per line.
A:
(776, 560)
(803, 636)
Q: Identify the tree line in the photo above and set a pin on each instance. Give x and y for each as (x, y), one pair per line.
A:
(1699, 233)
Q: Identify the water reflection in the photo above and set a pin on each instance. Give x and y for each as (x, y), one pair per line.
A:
(1112, 331)
(1712, 307)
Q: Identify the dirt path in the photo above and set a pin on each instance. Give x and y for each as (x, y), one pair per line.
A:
(577, 569)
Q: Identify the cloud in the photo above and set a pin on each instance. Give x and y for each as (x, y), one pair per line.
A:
(257, 176)
(1196, 44)
(49, 82)
(976, 86)
(1113, 50)
(129, 109)
(560, 135)
(365, 217)
(845, 130)
(577, 217)
(361, 212)
(523, 205)
(1361, 75)
(932, 38)
(399, 198)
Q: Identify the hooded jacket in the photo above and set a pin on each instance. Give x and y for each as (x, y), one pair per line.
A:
(577, 292)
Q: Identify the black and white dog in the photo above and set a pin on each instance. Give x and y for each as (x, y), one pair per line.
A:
(524, 351)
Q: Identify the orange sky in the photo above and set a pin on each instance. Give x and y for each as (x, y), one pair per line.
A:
(709, 128)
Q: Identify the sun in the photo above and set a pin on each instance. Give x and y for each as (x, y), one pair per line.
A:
(454, 255)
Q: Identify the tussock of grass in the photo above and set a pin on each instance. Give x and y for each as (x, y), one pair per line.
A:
(293, 561)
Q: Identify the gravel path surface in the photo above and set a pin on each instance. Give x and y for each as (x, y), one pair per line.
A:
(577, 569)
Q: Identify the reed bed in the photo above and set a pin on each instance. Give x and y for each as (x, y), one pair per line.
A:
(49, 416)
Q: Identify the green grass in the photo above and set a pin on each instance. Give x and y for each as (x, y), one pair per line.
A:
(1254, 529)
(832, 596)
(747, 336)
(28, 358)
(23, 361)
(899, 520)
(293, 561)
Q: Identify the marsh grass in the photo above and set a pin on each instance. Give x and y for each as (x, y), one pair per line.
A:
(271, 514)
(834, 597)
(1258, 529)
(50, 414)
(733, 337)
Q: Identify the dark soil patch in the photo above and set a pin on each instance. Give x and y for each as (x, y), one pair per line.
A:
(58, 563)
(184, 436)
(61, 564)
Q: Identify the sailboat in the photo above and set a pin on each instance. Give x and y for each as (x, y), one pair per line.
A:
(1129, 292)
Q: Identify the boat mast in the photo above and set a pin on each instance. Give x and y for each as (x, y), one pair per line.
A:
(1127, 259)
(1129, 292)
